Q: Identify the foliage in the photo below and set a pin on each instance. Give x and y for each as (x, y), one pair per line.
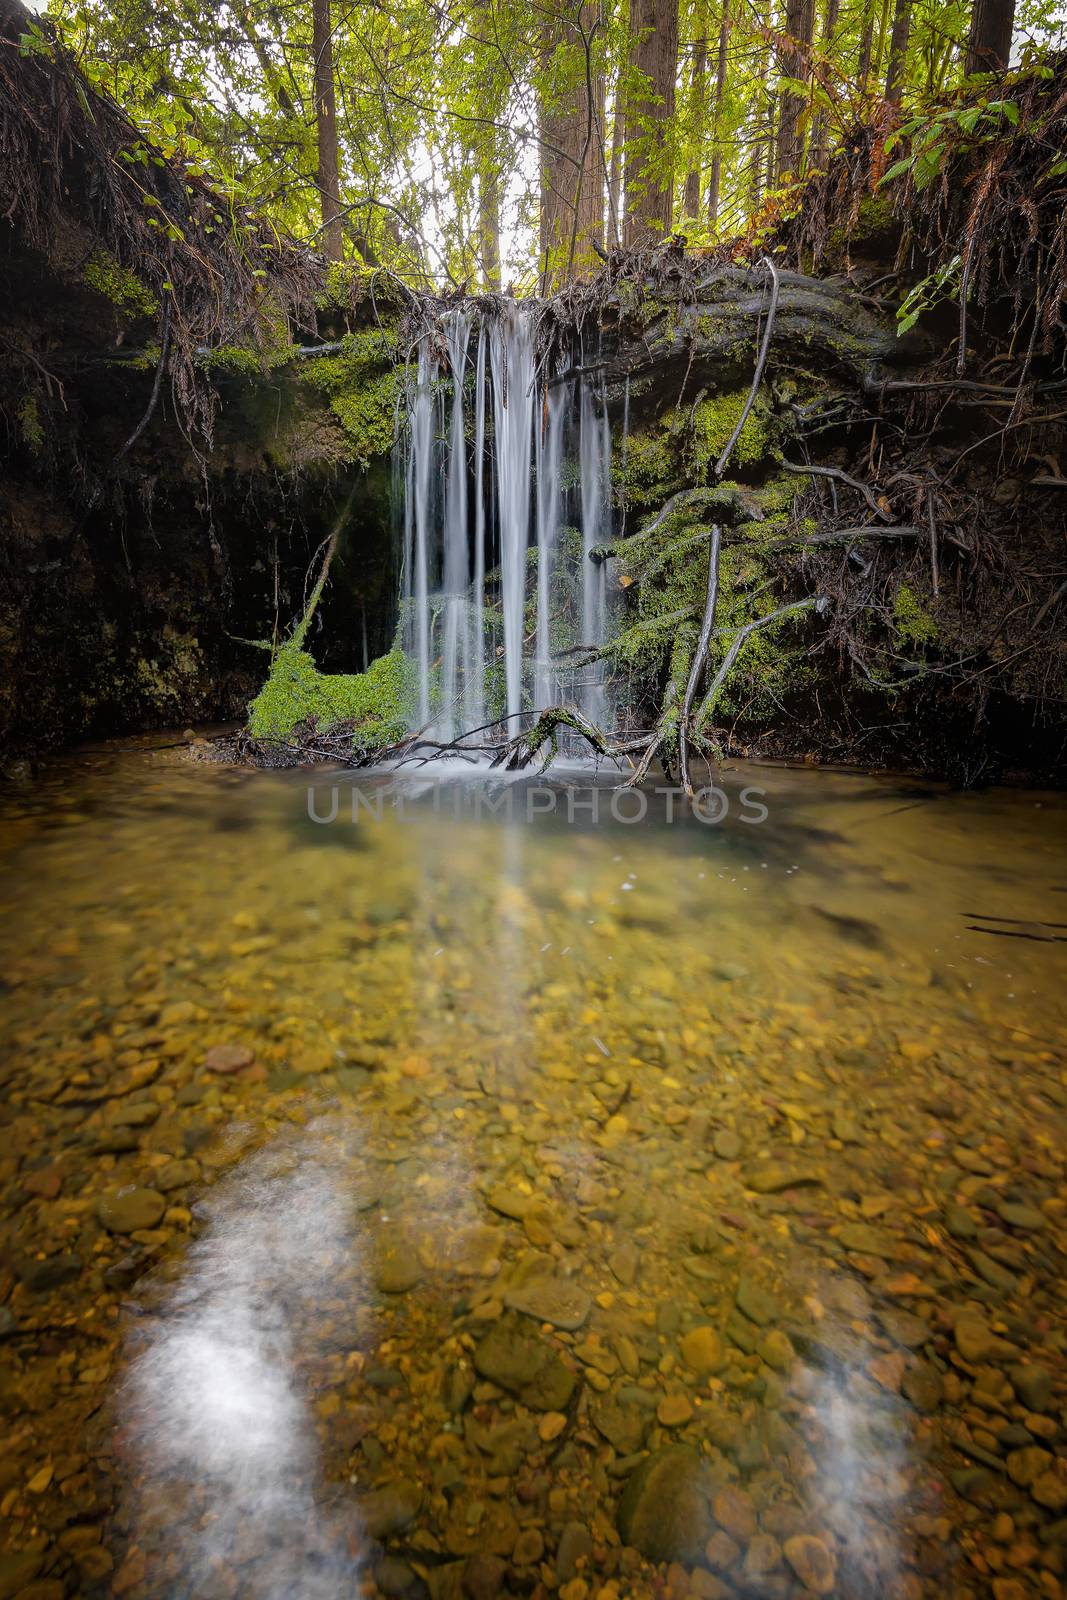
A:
(449, 117)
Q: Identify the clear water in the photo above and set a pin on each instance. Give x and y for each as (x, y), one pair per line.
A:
(773, 1110)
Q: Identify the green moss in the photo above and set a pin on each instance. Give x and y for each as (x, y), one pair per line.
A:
(123, 288)
(645, 467)
(348, 284)
(715, 419)
(377, 702)
(30, 426)
(913, 625)
(237, 358)
(361, 395)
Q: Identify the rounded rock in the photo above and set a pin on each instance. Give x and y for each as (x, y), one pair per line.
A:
(130, 1210)
(812, 1561)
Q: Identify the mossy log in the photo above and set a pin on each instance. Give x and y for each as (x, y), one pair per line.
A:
(707, 329)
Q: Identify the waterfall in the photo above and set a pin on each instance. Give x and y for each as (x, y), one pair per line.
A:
(512, 362)
(594, 457)
(549, 450)
(485, 507)
(458, 647)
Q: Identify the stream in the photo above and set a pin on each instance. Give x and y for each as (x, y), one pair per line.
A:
(435, 1187)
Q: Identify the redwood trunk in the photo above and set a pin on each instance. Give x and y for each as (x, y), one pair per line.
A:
(989, 39)
(697, 96)
(572, 154)
(715, 178)
(648, 184)
(329, 167)
(794, 61)
(898, 50)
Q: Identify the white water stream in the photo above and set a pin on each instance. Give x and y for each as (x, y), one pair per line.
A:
(496, 464)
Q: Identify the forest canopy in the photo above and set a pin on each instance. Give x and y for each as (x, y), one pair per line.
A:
(489, 144)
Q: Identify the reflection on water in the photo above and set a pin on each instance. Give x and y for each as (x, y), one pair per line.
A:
(214, 1409)
(453, 1205)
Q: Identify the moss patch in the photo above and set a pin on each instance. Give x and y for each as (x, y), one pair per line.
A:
(361, 395)
(715, 419)
(116, 283)
(30, 425)
(912, 624)
(376, 702)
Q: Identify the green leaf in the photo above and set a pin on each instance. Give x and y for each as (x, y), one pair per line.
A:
(897, 169)
(907, 321)
(928, 165)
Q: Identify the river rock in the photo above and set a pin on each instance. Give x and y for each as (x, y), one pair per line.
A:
(1050, 1491)
(130, 1210)
(228, 1058)
(575, 1545)
(556, 1300)
(812, 1561)
(386, 1511)
(701, 1350)
(398, 1268)
(726, 1144)
(622, 1426)
(665, 1509)
(862, 1238)
(514, 1357)
(177, 1174)
(734, 1511)
(977, 1343)
(772, 1177)
(1019, 1215)
(757, 1304)
(1033, 1385)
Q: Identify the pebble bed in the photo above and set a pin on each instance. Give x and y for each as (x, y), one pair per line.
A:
(442, 1206)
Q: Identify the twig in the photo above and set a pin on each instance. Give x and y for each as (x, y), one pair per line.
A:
(934, 572)
(820, 602)
(699, 657)
(842, 477)
(757, 376)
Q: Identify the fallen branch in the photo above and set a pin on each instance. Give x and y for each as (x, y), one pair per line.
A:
(757, 376)
(840, 477)
(696, 671)
(819, 602)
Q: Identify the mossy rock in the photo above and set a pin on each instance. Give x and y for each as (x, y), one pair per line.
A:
(377, 702)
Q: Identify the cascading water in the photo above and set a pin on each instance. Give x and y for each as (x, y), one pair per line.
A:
(483, 622)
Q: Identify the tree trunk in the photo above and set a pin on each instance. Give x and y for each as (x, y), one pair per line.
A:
(618, 141)
(989, 39)
(883, 30)
(697, 94)
(649, 184)
(794, 62)
(863, 66)
(715, 176)
(820, 147)
(898, 51)
(762, 131)
(572, 155)
(489, 230)
(329, 168)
